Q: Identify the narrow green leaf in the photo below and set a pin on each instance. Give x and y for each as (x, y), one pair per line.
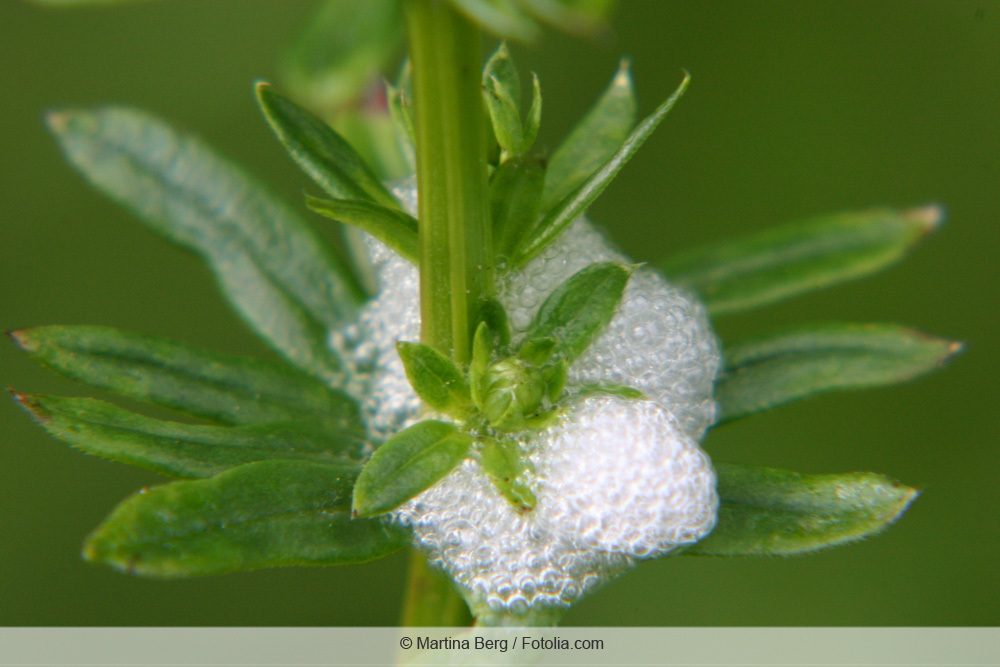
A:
(506, 468)
(483, 344)
(184, 450)
(580, 308)
(505, 116)
(372, 133)
(619, 390)
(593, 141)
(573, 205)
(259, 515)
(503, 18)
(502, 69)
(492, 312)
(777, 512)
(771, 371)
(435, 378)
(407, 464)
(579, 17)
(399, 100)
(515, 198)
(322, 153)
(534, 120)
(271, 266)
(235, 390)
(393, 227)
(786, 261)
(341, 50)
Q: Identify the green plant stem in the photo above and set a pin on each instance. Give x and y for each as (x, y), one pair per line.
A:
(431, 600)
(456, 258)
(455, 247)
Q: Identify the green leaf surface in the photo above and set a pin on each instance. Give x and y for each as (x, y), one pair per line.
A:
(259, 515)
(505, 116)
(407, 464)
(321, 153)
(399, 100)
(515, 198)
(579, 309)
(785, 261)
(502, 18)
(771, 371)
(234, 390)
(435, 378)
(184, 450)
(269, 263)
(506, 468)
(579, 17)
(619, 390)
(341, 50)
(391, 226)
(777, 512)
(594, 139)
(558, 218)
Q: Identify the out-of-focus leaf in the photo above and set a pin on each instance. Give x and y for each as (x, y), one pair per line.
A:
(506, 467)
(408, 462)
(372, 133)
(503, 18)
(322, 153)
(581, 17)
(184, 450)
(269, 263)
(619, 390)
(393, 227)
(515, 197)
(770, 371)
(785, 261)
(259, 515)
(777, 512)
(81, 3)
(234, 390)
(573, 205)
(580, 308)
(594, 139)
(399, 99)
(342, 49)
(435, 378)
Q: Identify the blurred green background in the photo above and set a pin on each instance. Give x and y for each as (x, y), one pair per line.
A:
(796, 108)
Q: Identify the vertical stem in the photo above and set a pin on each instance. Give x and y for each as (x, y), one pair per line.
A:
(456, 256)
(431, 600)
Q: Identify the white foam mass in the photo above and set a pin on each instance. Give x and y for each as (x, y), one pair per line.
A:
(616, 479)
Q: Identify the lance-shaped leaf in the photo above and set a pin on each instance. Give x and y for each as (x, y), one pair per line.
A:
(593, 141)
(271, 266)
(515, 198)
(506, 467)
(341, 50)
(184, 450)
(580, 17)
(777, 512)
(259, 515)
(580, 308)
(435, 378)
(398, 99)
(574, 204)
(408, 462)
(785, 261)
(770, 371)
(503, 18)
(322, 153)
(393, 227)
(235, 390)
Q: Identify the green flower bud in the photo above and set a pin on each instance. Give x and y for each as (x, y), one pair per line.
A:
(512, 391)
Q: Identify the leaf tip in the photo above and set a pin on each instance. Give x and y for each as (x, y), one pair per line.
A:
(30, 404)
(623, 77)
(58, 120)
(929, 217)
(20, 338)
(261, 87)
